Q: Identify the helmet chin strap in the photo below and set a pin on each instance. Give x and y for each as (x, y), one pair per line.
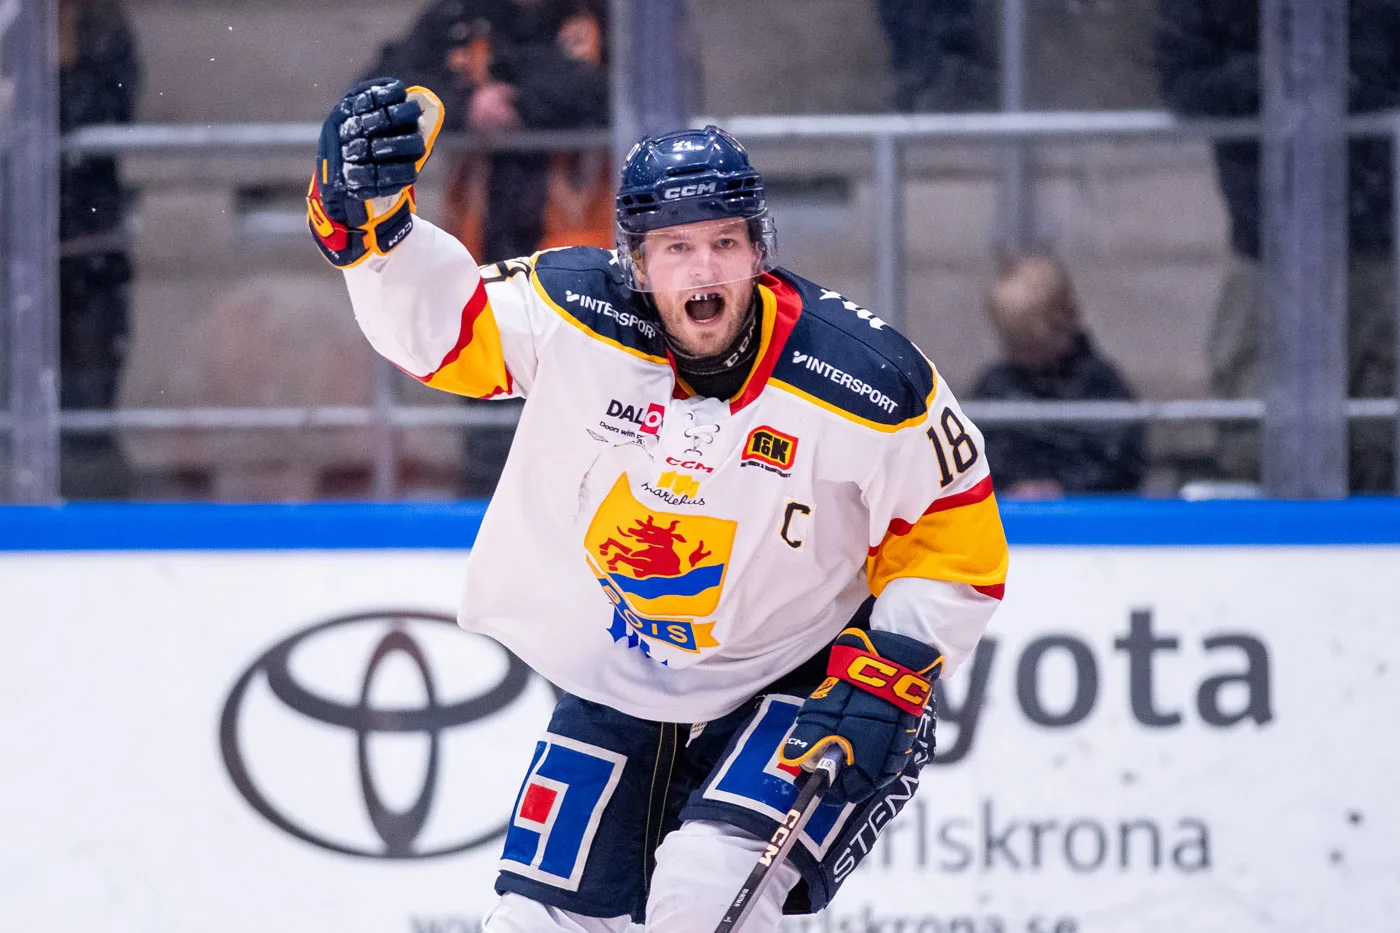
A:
(722, 374)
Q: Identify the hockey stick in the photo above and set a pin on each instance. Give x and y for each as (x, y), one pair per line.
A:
(809, 796)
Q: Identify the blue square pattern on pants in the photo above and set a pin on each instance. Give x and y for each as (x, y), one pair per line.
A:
(558, 810)
(752, 777)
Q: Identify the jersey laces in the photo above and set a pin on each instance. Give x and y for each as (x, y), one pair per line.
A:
(699, 435)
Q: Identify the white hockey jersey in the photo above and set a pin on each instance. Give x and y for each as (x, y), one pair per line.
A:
(669, 555)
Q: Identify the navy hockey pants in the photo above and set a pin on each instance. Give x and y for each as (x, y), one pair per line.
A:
(604, 788)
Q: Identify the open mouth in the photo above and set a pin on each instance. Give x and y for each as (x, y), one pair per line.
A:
(704, 306)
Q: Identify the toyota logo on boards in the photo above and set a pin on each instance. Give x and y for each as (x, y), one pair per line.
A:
(390, 735)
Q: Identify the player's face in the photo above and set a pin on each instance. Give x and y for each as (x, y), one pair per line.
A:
(701, 277)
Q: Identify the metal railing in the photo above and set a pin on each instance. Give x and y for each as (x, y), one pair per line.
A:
(92, 421)
(886, 134)
(180, 139)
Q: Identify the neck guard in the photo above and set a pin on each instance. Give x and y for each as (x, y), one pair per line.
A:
(721, 375)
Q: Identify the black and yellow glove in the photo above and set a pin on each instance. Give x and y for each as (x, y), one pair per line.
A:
(373, 145)
(877, 687)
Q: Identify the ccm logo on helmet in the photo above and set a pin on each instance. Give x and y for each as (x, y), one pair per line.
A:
(689, 191)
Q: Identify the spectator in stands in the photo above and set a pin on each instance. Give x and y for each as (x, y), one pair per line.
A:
(98, 75)
(937, 55)
(502, 65)
(1208, 63)
(1049, 357)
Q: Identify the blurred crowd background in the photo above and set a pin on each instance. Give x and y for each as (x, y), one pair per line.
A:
(1121, 269)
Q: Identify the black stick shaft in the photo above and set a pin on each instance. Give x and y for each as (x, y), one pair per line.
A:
(809, 796)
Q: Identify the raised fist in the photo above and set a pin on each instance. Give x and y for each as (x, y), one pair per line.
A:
(373, 145)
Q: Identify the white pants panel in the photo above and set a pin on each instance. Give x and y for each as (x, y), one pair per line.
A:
(699, 869)
(516, 913)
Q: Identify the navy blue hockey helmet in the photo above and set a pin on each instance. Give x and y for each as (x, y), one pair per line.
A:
(687, 177)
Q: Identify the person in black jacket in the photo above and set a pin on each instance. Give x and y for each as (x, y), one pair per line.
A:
(1208, 64)
(502, 65)
(98, 75)
(937, 55)
(1049, 357)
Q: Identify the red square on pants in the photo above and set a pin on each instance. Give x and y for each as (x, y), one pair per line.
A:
(538, 803)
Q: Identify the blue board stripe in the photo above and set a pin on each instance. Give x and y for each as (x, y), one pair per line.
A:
(343, 526)
(1147, 522)
(330, 526)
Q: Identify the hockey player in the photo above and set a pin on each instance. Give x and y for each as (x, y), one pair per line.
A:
(742, 520)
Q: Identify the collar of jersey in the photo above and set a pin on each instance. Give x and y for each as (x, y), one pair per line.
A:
(780, 306)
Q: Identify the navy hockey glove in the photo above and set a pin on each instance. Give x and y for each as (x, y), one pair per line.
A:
(373, 145)
(870, 704)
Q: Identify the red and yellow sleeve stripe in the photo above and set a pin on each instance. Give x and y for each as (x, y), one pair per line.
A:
(958, 538)
(476, 366)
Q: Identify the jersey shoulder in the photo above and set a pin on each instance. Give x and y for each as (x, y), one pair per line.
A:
(848, 360)
(583, 284)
